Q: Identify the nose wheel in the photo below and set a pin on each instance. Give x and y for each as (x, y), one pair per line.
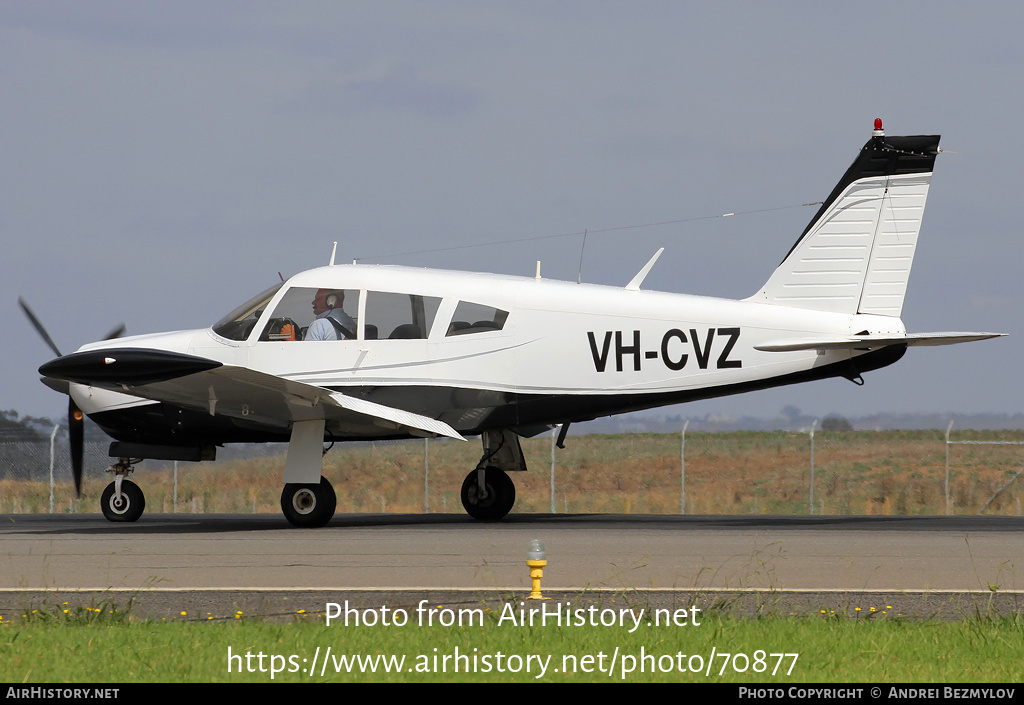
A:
(308, 505)
(122, 499)
(126, 505)
(489, 497)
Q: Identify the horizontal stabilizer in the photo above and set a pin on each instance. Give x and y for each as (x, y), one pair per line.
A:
(871, 342)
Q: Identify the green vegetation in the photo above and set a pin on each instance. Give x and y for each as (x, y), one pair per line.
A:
(856, 473)
(876, 648)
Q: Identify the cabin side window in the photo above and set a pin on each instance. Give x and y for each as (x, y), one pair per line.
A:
(473, 318)
(399, 316)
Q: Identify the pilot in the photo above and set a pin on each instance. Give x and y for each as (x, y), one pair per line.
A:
(331, 323)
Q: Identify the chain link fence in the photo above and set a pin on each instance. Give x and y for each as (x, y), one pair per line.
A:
(795, 473)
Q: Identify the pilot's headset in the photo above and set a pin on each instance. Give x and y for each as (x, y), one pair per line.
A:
(331, 301)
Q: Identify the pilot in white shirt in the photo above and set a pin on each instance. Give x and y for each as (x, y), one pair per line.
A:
(331, 323)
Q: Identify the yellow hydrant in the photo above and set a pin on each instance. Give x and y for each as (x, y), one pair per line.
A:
(535, 556)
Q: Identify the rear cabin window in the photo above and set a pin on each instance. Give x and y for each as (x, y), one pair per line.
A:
(399, 316)
(473, 318)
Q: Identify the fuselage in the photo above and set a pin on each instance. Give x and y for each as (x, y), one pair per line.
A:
(483, 351)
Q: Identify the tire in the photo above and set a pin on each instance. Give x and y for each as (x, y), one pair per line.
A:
(131, 506)
(309, 506)
(501, 495)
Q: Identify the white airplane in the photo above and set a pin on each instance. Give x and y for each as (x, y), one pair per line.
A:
(424, 353)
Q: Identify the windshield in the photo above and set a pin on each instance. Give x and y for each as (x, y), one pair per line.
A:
(239, 323)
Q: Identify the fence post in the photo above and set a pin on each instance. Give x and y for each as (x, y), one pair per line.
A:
(948, 429)
(682, 469)
(52, 436)
(813, 424)
(175, 486)
(426, 475)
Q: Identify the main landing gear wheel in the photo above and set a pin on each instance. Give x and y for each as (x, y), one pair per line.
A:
(128, 507)
(309, 505)
(495, 501)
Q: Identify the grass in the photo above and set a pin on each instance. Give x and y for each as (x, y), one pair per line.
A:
(856, 473)
(874, 648)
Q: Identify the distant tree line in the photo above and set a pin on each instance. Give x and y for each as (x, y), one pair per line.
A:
(14, 427)
(836, 423)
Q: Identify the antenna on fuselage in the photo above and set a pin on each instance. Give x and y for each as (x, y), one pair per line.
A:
(634, 285)
(333, 251)
(579, 274)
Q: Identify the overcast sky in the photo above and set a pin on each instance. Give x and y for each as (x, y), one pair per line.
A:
(161, 162)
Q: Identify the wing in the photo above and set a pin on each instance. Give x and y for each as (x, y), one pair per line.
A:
(871, 342)
(227, 390)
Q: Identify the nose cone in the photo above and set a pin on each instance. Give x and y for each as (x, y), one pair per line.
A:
(124, 366)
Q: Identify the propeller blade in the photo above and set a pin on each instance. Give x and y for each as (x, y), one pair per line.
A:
(76, 435)
(116, 333)
(38, 326)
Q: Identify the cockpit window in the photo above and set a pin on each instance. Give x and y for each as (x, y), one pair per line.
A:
(308, 313)
(472, 318)
(239, 323)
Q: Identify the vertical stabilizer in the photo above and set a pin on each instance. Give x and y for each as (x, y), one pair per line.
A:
(856, 253)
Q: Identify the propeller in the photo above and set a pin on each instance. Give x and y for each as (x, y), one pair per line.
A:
(76, 438)
(39, 327)
(117, 332)
(76, 419)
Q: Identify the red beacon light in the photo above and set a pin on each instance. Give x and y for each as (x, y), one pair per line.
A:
(878, 131)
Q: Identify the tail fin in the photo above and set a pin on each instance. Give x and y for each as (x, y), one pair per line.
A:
(856, 253)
